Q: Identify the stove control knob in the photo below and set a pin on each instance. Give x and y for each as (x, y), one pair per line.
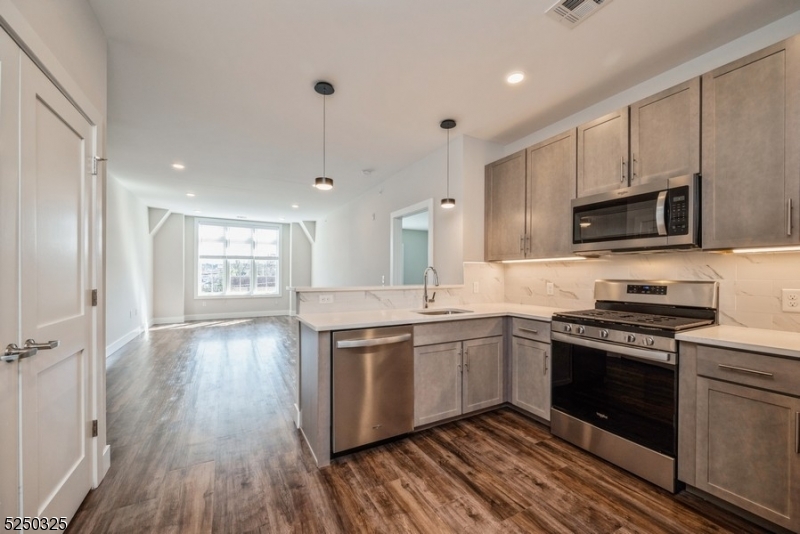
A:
(650, 341)
(581, 330)
(567, 328)
(604, 334)
(630, 338)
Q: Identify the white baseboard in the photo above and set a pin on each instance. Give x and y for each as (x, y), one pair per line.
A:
(169, 320)
(298, 417)
(235, 315)
(106, 461)
(121, 342)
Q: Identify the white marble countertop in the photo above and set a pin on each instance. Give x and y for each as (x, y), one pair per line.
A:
(338, 289)
(388, 317)
(774, 342)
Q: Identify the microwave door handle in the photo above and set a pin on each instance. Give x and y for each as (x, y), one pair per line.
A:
(661, 213)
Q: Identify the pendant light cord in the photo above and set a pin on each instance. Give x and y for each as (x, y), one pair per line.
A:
(324, 98)
(448, 163)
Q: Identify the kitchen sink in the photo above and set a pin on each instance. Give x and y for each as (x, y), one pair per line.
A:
(443, 311)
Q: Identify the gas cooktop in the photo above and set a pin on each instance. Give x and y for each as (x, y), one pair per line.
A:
(665, 322)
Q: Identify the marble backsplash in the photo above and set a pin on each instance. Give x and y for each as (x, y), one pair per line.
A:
(750, 284)
(489, 277)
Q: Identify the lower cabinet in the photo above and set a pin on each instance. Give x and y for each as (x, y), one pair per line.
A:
(530, 376)
(456, 378)
(747, 430)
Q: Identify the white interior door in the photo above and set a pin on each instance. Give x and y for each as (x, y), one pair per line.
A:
(9, 272)
(56, 149)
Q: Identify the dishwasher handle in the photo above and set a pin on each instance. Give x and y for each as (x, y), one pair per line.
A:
(373, 342)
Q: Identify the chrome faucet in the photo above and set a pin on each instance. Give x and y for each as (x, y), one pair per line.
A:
(425, 299)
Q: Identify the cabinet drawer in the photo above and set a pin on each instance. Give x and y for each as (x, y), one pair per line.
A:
(447, 331)
(530, 329)
(766, 372)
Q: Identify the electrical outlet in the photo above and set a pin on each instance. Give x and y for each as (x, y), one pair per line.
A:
(791, 300)
(475, 287)
(326, 299)
(550, 288)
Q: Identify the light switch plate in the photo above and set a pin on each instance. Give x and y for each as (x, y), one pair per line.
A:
(326, 299)
(790, 301)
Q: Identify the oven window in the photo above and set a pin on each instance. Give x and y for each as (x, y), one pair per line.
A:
(627, 397)
(626, 218)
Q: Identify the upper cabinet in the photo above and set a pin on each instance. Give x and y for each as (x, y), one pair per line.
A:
(505, 208)
(665, 134)
(551, 187)
(528, 197)
(603, 154)
(751, 150)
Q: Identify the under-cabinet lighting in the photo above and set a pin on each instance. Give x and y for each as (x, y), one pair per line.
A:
(765, 249)
(548, 260)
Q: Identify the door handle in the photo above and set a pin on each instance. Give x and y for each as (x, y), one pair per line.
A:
(661, 213)
(31, 344)
(14, 353)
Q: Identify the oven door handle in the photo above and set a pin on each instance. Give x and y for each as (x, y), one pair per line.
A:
(661, 213)
(643, 354)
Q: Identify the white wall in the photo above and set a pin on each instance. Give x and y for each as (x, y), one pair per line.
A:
(129, 266)
(168, 270)
(300, 258)
(352, 245)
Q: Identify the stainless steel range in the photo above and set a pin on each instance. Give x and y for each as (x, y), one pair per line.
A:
(615, 371)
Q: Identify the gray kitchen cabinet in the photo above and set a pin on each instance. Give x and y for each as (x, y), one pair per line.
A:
(505, 208)
(456, 378)
(665, 134)
(527, 206)
(551, 187)
(603, 154)
(751, 150)
(530, 366)
(437, 382)
(739, 430)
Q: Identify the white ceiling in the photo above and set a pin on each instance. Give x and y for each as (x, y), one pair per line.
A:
(227, 87)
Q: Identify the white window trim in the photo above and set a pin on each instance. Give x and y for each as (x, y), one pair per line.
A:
(228, 223)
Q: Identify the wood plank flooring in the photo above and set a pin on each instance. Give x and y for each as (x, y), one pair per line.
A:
(202, 440)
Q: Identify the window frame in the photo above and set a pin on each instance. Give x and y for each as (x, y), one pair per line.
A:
(225, 223)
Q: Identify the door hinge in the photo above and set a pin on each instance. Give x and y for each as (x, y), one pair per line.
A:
(95, 160)
(94, 428)
(94, 297)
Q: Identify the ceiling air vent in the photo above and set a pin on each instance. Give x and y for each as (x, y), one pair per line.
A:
(573, 12)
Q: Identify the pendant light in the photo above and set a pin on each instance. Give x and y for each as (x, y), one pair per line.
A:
(323, 182)
(447, 202)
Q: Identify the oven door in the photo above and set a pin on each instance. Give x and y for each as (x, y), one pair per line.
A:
(623, 390)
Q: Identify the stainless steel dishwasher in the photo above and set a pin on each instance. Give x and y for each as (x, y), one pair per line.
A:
(373, 385)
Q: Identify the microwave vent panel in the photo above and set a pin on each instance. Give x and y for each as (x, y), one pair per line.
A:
(573, 12)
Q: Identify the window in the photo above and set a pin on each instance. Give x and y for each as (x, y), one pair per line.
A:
(238, 260)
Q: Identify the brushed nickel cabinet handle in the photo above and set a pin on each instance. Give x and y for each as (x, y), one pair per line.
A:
(789, 217)
(545, 364)
(744, 370)
(530, 330)
(521, 241)
(634, 162)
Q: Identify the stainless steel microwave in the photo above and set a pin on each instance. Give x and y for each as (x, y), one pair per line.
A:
(663, 214)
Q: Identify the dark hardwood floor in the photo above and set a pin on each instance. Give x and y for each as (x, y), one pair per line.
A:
(202, 440)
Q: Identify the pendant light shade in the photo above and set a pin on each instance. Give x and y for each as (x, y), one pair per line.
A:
(323, 183)
(447, 202)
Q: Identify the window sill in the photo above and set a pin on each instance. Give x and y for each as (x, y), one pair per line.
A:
(225, 297)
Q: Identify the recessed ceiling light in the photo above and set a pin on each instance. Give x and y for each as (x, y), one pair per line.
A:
(515, 77)
(281, 218)
(241, 216)
(190, 194)
(295, 206)
(198, 211)
(178, 166)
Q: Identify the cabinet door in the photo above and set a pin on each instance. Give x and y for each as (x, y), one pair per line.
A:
(551, 187)
(751, 150)
(603, 154)
(505, 208)
(530, 372)
(437, 382)
(747, 449)
(665, 134)
(483, 373)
